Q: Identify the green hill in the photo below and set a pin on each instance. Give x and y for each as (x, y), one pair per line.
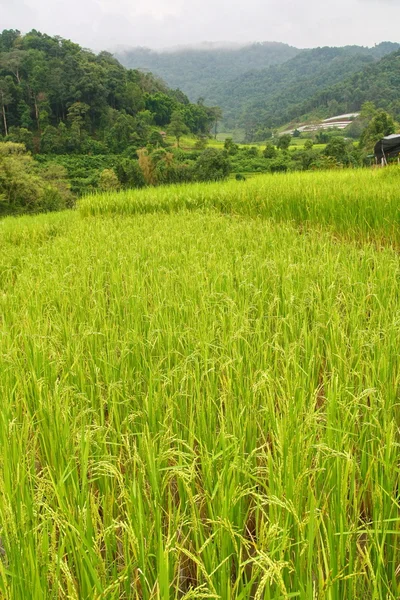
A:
(378, 83)
(57, 97)
(265, 85)
(279, 94)
(197, 71)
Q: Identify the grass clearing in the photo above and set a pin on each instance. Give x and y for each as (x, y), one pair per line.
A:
(199, 402)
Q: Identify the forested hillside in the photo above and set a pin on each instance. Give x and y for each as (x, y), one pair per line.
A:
(378, 83)
(263, 86)
(56, 97)
(198, 71)
(274, 96)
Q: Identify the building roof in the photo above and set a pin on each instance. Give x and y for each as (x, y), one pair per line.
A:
(388, 147)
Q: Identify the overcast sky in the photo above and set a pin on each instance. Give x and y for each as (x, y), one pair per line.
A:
(106, 24)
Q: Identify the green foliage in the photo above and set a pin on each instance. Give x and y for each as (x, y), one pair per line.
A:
(156, 139)
(283, 84)
(380, 125)
(108, 180)
(375, 84)
(73, 101)
(177, 127)
(230, 147)
(201, 143)
(21, 135)
(198, 72)
(284, 141)
(269, 151)
(56, 175)
(305, 84)
(129, 173)
(212, 165)
(22, 189)
(340, 150)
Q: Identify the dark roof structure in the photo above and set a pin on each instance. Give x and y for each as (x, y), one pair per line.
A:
(387, 147)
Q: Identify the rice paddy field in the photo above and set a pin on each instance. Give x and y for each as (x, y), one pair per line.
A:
(200, 393)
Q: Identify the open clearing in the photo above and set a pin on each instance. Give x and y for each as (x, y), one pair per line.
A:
(200, 393)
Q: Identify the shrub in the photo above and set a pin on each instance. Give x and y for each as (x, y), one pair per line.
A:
(212, 165)
(108, 180)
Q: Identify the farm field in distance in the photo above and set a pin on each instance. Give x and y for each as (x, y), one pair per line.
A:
(200, 393)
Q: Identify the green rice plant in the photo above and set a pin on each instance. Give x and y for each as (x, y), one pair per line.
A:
(355, 203)
(199, 403)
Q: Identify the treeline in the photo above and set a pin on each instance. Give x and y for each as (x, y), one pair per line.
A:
(58, 98)
(54, 182)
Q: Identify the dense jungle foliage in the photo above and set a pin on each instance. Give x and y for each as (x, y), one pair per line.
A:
(58, 98)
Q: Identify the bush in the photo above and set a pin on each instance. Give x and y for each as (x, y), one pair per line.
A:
(212, 165)
(22, 189)
(130, 174)
(57, 177)
(108, 180)
(270, 151)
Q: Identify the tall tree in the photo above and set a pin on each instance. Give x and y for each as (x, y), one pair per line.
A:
(5, 99)
(177, 126)
(216, 115)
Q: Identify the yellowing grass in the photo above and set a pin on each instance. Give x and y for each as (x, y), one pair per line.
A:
(202, 405)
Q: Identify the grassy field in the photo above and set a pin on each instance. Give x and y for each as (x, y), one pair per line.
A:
(200, 393)
(189, 143)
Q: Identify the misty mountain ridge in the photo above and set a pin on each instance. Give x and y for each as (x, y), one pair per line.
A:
(198, 70)
(264, 84)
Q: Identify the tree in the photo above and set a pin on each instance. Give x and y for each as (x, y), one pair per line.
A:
(212, 165)
(231, 147)
(380, 126)
(12, 61)
(21, 135)
(47, 82)
(269, 151)
(8, 37)
(129, 173)
(52, 141)
(5, 99)
(156, 139)
(21, 188)
(108, 180)
(77, 116)
(216, 115)
(162, 107)
(368, 111)
(338, 149)
(283, 142)
(177, 127)
(57, 176)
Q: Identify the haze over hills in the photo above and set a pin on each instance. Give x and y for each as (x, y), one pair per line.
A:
(198, 69)
(268, 84)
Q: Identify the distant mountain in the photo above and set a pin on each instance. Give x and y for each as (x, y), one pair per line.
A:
(280, 94)
(265, 85)
(378, 83)
(197, 70)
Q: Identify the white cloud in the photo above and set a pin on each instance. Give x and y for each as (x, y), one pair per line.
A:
(159, 23)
